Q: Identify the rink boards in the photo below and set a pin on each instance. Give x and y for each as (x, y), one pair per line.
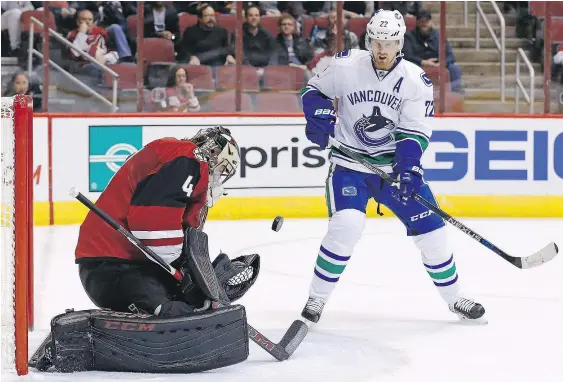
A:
(477, 167)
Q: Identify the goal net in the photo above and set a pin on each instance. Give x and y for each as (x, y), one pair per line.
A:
(16, 224)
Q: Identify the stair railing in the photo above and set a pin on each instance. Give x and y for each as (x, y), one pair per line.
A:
(34, 52)
(501, 45)
(519, 86)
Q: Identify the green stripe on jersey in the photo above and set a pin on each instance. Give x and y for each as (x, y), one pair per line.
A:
(422, 141)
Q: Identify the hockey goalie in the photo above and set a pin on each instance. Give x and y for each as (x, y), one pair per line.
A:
(147, 321)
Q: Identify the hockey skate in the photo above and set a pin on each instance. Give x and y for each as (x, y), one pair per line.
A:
(313, 309)
(469, 311)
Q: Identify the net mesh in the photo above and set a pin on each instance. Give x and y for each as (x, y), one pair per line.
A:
(7, 246)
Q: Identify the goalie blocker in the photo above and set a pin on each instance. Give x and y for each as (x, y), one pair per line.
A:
(113, 341)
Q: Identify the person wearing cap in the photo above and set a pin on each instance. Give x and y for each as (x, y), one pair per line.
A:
(422, 47)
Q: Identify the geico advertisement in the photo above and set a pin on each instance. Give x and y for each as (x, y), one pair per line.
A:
(471, 156)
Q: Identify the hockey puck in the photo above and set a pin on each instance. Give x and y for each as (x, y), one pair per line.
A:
(277, 224)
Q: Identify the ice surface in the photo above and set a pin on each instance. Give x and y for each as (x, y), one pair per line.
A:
(385, 320)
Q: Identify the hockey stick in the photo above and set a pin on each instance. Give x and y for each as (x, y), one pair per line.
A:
(542, 256)
(280, 351)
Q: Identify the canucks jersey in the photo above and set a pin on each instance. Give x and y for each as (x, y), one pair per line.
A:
(375, 108)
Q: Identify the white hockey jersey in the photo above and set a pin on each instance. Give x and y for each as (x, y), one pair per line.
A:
(375, 108)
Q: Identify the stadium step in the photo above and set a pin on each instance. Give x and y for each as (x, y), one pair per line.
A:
(469, 31)
(485, 43)
(509, 107)
(472, 81)
(493, 68)
(483, 55)
(457, 7)
(493, 94)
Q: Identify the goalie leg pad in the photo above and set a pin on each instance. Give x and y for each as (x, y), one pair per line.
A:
(238, 275)
(112, 341)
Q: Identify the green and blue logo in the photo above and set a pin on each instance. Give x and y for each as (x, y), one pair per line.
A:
(109, 148)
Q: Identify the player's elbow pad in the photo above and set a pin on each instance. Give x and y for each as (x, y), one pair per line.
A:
(320, 115)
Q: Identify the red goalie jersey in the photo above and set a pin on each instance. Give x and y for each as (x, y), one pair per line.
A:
(157, 192)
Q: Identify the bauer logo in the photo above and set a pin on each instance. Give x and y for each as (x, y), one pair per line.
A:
(110, 146)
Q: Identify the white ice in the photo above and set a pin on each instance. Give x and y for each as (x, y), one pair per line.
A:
(385, 320)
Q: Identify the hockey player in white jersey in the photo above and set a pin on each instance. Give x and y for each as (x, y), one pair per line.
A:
(384, 106)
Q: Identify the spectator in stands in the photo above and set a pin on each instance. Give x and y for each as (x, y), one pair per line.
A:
(422, 47)
(292, 49)
(405, 7)
(270, 8)
(162, 21)
(320, 36)
(109, 16)
(11, 14)
(259, 46)
(20, 84)
(322, 60)
(179, 96)
(93, 40)
(206, 43)
(557, 67)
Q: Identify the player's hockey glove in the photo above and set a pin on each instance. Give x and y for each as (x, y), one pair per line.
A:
(320, 116)
(409, 173)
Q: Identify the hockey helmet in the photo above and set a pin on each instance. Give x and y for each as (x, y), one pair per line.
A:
(386, 25)
(220, 150)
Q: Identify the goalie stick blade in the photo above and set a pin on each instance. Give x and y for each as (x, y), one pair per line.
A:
(294, 336)
(542, 256)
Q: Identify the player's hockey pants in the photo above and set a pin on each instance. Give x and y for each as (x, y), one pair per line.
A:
(127, 287)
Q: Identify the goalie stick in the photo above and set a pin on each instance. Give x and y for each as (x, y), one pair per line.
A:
(542, 256)
(280, 351)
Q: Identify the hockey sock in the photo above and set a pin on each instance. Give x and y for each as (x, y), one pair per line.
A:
(439, 263)
(344, 231)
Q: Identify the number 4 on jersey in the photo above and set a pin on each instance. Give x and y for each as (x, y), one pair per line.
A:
(188, 187)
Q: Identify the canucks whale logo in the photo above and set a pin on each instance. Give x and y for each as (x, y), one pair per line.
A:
(374, 130)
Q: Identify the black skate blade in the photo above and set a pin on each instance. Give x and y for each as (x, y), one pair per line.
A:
(294, 336)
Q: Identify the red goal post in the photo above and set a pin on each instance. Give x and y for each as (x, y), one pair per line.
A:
(16, 223)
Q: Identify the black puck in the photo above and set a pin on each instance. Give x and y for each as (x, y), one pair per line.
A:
(277, 224)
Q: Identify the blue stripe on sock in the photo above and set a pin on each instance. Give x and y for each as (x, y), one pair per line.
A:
(323, 277)
(334, 256)
(446, 283)
(440, 265)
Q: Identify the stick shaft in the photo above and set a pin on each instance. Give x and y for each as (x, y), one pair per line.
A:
(275, 350)
(438, 211)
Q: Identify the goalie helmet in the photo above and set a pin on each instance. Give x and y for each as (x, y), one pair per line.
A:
(386, 25)
(220, 150)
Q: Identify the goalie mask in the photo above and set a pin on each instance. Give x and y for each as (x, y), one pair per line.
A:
(217, 146)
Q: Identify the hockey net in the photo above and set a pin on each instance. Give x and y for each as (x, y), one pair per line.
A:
(16, 224)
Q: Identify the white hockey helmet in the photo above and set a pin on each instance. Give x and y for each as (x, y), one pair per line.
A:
(386, 25)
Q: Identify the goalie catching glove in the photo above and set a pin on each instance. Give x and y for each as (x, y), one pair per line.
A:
(238, 275)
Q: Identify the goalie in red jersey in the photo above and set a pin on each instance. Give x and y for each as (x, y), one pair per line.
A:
(161, 194)
(149, 322)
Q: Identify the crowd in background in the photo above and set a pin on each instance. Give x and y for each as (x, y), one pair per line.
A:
(103, 30)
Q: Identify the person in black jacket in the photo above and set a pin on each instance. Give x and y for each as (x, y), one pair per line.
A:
(206, 43)
(422, 47)
(161, 21)
(259, 46)
(292, 50)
